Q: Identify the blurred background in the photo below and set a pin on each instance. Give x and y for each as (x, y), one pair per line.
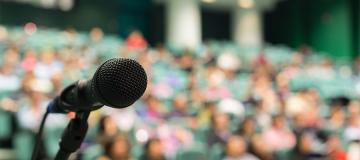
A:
(228, 79)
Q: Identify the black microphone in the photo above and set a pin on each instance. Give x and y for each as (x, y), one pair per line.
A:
(117, 83)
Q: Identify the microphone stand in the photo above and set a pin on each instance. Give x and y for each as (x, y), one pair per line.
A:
(73, 135)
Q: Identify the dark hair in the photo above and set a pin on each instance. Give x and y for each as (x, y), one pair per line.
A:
(147, 145)
(110, 144)
(149, 142)
(102, 124)
(275, 117)
(241, 127)
(215, 115)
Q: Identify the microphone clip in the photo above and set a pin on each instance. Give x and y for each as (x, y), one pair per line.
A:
(74, 98)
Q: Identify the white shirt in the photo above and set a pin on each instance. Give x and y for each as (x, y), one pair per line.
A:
(9, 83)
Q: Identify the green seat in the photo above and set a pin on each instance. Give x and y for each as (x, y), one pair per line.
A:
(23, 145)
(92, 152)
(200, 134)
(196, 151)
(283, 154)
(5, 125)
(216, 151)
(51, 140)
(92, 132)
(137, 151)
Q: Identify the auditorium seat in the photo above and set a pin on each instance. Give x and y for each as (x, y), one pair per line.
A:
(216, 151)
(5, 125)
(194, 151)
(23, 144)
(92, 152)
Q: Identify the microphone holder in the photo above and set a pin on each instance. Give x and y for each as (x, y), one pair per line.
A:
(73, 135)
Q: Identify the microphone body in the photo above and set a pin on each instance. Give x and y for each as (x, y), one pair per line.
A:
(75, 97)
(117, 83)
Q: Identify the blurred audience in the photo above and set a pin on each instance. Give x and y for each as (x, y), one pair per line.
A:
(272, 104)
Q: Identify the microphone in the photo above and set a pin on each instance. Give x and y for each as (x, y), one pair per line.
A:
(117, 83)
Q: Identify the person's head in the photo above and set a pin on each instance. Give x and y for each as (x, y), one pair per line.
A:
(235, 147)
(11, 56)
(259, 105)
(36, 95)
(26, 86)
(282, 81)
(304, 143)
(327, 63)
(354, 107)
(210, 105)
(96, 34)
(118, 148)
(152, 102)
(48, 56)
(260, 148)
(6, 69)
(107, 126)
(299, 121)
(278, 121)
(180, 102)
(195, 95)
(297, 59)
(215, 77)
(220, 121)
(153, 149)
(333, 143)
(144, 58)
(161, 50)
(30, 53)
(313, 96)
(29, 60)
(337, 116)
(136, 34)
(56, 81)
(354, 120)
(248, 126)
(187, 61)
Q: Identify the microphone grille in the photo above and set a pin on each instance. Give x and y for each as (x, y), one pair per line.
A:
(119, 82)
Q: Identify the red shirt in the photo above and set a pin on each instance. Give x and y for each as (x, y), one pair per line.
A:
(135, 41)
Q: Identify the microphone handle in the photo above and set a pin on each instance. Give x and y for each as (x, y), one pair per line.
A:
(62, 155)
(73, 136)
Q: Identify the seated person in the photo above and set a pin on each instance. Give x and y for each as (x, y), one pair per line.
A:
(153, 150)
(236, 149)
(117, 148)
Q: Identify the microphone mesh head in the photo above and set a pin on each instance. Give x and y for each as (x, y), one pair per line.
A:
(119, 82)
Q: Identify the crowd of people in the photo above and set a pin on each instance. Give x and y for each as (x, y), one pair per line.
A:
(198, 104)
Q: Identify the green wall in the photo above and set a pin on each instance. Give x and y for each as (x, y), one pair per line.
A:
(113, 16)
(85, 15)
(285, 24)
(356, 25)
(134, 15)
(330, 26)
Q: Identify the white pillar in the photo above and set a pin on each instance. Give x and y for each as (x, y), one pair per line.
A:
(247, 27)
(183, 23)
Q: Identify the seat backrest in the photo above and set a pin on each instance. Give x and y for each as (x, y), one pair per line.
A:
(5, 125)
(195, 151)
